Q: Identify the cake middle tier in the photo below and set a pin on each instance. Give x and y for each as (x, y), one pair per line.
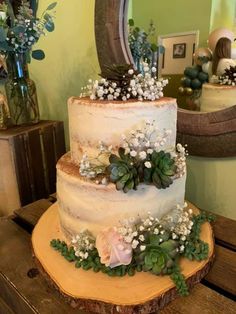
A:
(85, 205)
(92, 121)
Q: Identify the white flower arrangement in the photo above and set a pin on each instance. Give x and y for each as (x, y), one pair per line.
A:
(142, 86)
(138, 145)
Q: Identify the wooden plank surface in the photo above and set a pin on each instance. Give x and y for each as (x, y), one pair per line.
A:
(59, 139)
(223, 271)
(225, 231)
(36, 168)
(15, 263)
(201, 300)
(50, 156)
(4, 308)
(32, 212)
(22, 169)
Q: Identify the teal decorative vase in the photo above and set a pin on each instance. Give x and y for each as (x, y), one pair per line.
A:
(20, 91)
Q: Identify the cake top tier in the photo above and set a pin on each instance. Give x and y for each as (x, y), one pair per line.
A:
(94, 121)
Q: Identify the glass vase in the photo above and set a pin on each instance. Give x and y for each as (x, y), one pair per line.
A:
(20, 91)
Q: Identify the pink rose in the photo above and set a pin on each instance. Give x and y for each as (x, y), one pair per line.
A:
(112, 249)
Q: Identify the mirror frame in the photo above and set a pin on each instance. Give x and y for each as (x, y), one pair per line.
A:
(210, 134)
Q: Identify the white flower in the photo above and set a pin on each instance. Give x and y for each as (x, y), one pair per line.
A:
(141, 237)
(141, 228)
(131, 71)
(154, 69)
(156, 231)
(124, 98)
(132, 83)
(150, 151)
(142, 155)
(135, 243)
(147, 164)
(110, 97)
(133, 153)
(142, 247)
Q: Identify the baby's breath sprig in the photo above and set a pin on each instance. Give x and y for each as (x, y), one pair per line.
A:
(142, 86)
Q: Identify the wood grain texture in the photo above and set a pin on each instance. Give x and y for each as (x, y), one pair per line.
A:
(32, 212)
(201, 300)
(23, 294)
(223, 145)
(223, 272)
(36, 149)
(225, 232)
(4, 308)
(211, 134)
(110, 25)
(99, 293)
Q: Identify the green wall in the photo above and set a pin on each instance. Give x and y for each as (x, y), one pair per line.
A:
(71, 57)
(174, 16)
(222, 14)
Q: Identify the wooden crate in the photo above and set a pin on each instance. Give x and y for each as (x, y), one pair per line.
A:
(27, 164)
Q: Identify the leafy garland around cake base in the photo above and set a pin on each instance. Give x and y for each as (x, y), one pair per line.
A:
(137, 245)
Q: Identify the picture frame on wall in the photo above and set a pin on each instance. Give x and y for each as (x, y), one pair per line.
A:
(179, 50)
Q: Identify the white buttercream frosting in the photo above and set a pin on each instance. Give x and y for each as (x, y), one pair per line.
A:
(217, 97)
(94, 121)
(86, 205)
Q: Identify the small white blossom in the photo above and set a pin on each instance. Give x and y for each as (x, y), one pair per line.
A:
(148, 164)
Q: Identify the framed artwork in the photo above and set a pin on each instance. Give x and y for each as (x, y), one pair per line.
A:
(179, 50)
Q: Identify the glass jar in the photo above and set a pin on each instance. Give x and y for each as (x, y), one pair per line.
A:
(20, 91)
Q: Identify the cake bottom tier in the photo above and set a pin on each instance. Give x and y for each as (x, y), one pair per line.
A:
(97, 292)
(86, 205)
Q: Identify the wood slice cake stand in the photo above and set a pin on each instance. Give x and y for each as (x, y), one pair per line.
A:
(97, 292)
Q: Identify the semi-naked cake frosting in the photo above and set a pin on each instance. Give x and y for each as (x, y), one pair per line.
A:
(83, 204)
(217, 97)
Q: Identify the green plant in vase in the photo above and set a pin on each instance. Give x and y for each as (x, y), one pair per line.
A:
(18, 33)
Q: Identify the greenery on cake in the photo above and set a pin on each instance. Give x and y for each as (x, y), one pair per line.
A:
(229, 77)
(122, 82)
(140, 159)
(149, 245)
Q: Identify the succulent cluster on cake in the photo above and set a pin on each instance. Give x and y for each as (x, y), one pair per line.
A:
(122, 82)
(140, 159)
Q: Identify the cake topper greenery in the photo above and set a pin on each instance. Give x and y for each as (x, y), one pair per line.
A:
(20, 31)
(141, 159)
(148, 244)
(143, 45)
(123, 82)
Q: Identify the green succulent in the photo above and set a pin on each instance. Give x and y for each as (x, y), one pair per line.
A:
(123, 172)
(158, 258)
(163, 168)
(117, 73)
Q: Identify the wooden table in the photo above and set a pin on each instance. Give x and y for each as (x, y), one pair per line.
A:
(24, 291)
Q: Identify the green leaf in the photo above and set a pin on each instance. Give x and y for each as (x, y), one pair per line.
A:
(51, 6)
(156, 269)
(50, 26)
(3, 34)
(18, 29)
(38, 54)
(131, 22)
(5, 47)
(154, 47)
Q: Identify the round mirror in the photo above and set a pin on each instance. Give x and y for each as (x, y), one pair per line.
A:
(208, 134)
